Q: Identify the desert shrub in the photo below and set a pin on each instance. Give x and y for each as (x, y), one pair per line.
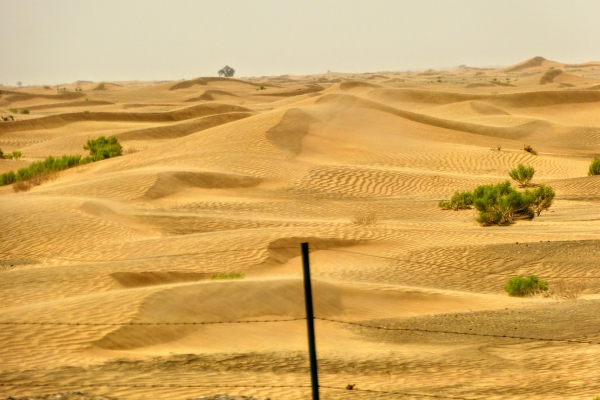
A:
(459, 201)
(1, 153)
(7, 178)
(103, 148)
(542, 198)
(8, 156)
(231, 275)
(529, 149)
(519, 286)
(501, 204)
(364, 219)
(594, 167)
(13, 110)
(16, 154)
(522, 174)
(24, 111)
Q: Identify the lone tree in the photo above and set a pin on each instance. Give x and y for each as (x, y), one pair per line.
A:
(226, 71)
(522, 174)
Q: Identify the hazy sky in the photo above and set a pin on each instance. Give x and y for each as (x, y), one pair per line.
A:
(56, 41)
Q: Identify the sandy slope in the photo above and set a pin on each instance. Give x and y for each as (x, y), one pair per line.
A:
(226, 175)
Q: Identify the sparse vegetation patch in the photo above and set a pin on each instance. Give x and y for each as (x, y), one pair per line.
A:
(365, 219)
(41, 171)
(226, 276)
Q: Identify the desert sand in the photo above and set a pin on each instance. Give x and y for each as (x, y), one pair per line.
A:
(105, 272)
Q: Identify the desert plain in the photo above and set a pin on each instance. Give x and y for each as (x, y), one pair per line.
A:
(106, 271)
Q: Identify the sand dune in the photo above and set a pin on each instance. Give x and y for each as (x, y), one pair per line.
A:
(114, 261)
(54, 121)
(183, 129)
(14, 97)
(533, 63)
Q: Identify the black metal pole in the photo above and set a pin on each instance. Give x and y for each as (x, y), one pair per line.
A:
(310, 323)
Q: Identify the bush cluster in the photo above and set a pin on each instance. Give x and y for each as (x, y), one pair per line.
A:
(501, 204)
(9, 156)
(100, 149)
(37, 168)
(103, 148)
(519, 286)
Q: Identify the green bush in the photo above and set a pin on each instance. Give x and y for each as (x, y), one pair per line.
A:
(594, 167)
(16, 154)
(13, 110)
(24, 111)
(8, 156)
(459, 201)
(520, 286)
(501, 204)
(522, 174)
(7, 178)
(103, 148)
(542, 198)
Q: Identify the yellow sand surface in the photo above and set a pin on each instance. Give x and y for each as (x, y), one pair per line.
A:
(106, 271)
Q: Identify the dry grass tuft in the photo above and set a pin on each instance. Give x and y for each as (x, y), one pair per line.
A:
(21, 186)
(529, 149)
(131, 150)
(25, 186)
(569, 290)
(364, 219)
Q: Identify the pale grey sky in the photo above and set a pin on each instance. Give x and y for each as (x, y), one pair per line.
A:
(56, 41)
